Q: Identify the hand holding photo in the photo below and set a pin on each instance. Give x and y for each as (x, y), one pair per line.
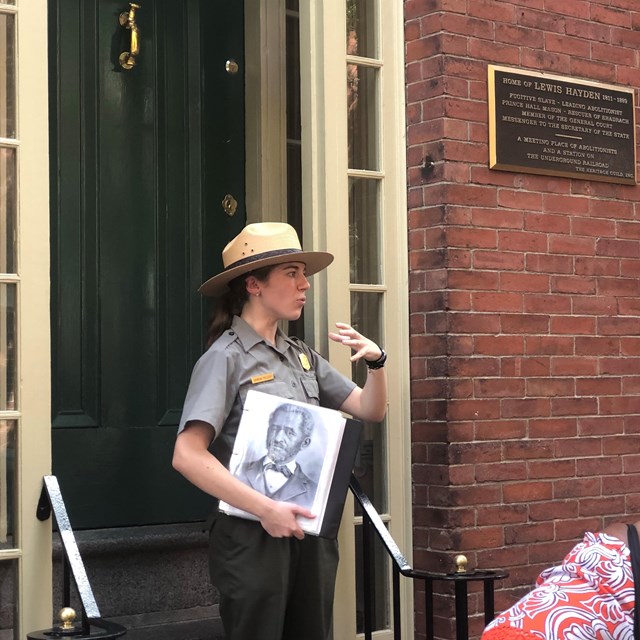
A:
(295, 452)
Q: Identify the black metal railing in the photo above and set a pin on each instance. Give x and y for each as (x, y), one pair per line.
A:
(91, 625)
(372, 524)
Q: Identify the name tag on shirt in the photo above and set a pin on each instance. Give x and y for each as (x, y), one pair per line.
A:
(265, 377)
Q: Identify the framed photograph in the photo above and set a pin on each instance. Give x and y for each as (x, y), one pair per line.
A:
(295, 452)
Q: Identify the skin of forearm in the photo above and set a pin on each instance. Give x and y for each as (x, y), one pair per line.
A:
(374, 395)
(203, 470)
(370, 402)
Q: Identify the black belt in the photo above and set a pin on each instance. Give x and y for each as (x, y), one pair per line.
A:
(634, 548)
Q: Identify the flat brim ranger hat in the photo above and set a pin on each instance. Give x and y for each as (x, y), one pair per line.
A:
(263, 244)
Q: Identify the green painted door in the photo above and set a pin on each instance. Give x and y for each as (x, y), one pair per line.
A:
(141, 160)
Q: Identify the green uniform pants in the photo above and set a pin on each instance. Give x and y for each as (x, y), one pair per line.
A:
(271, 588)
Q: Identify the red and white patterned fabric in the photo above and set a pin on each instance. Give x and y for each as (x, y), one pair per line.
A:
(590, 596)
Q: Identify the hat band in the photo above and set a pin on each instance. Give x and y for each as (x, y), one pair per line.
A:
(261, 256)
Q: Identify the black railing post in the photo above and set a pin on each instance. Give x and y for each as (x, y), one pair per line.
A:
(428, 607)
(462, 610)
(397, 625)
(489, 606)
(371, 522)
(366, 577)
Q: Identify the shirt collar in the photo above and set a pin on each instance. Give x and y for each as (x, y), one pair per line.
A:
(249, 338)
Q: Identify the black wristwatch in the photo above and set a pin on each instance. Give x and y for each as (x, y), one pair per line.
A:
(379, 363)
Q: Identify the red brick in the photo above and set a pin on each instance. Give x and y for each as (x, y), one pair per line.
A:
(524, 323)
(547, 223)
(599, 466)
(537, 303)
(573, 325)
(577, 487)
(553, 428)
(548, 264)
(498, 388)
(597, 266)
(599, 386)
(529, 533)
(550, 387)
(524, 282)
(502, 514)
(574, 406)
(528, 449)
(601, 425)
(611, 16)
(527, 366)
(551, 469)
(602, 506)
(527, 491)
(618, 248)
(573, 284)
(566, 205)
(503, 260)
(474, 409)
(591, 227)
(564, 44)
(572, 245)
(522, 241)
(481, 280)
(496, 345)
(550, 345)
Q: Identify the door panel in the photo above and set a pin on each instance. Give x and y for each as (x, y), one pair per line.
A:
(141, 160)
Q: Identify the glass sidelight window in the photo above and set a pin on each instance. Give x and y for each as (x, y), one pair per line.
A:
(346, 168)
(366, 255)
(9, 283)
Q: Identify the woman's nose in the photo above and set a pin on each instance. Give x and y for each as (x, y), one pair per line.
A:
(304, 283)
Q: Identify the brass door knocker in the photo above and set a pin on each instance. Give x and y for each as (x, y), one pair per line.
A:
(127, 19)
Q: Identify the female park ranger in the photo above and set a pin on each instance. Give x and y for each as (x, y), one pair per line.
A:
(274, 583)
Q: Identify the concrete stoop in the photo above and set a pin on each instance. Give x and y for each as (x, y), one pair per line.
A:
(199, 623)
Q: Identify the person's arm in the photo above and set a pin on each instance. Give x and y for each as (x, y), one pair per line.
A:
(193, 460)
(370, 401)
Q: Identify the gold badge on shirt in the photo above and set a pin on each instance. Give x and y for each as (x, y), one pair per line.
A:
(304, 361)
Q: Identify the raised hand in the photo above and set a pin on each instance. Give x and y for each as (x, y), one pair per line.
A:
(362, 346)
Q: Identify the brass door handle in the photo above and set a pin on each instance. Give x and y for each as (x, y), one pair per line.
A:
(127, 19)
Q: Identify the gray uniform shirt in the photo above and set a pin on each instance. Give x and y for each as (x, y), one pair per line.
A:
(240, 360)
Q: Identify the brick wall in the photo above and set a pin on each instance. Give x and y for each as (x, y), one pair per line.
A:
(524, 301)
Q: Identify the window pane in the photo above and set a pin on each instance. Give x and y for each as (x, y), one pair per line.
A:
(361, 28)
(364, 231)
(379, 583)
(362, 117)
(370, 469)
(294, 128)
(7, 483)
(8, 590)
(8, 324)
(7, 76)
(7, 210)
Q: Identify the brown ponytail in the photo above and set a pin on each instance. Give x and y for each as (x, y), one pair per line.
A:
(231, 304)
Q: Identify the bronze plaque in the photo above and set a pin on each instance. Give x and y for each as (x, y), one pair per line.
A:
(547, 124)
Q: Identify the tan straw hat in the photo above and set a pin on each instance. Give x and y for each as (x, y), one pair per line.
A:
(260, 245)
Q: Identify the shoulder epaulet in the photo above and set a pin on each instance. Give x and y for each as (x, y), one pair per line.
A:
(227, 338)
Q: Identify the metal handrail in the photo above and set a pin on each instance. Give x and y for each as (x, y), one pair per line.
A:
(51, 501)
(371, 520)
